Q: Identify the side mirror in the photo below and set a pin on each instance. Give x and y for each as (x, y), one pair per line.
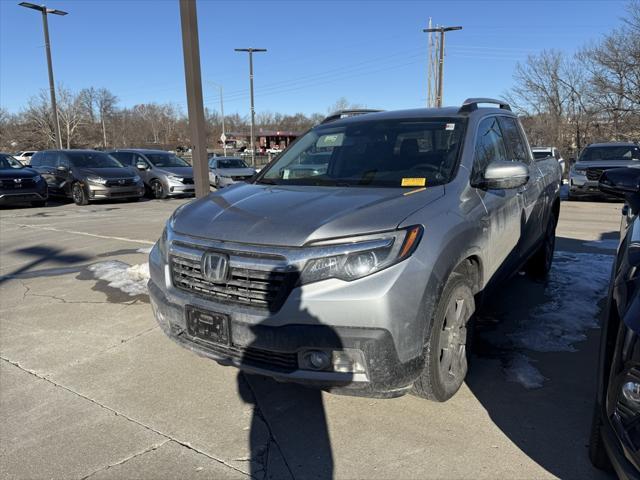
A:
(62, 168)
(501, 175)
(141, 166)
(620, 181)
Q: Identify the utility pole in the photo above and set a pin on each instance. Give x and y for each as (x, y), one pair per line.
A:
(193, 80)
(442, 31)
(253, 111)
(47, 44)
(223, 137)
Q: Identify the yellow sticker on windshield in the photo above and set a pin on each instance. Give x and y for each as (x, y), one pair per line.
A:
(414, 182)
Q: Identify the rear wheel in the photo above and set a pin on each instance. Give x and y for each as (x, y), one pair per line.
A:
(157, 189)
(539, 264)
(79, 195)
(445, 351)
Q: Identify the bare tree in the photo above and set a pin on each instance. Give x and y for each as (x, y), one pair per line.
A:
(70, 112)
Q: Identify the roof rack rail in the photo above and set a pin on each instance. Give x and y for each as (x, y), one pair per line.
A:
(471, 104)
(348, 113)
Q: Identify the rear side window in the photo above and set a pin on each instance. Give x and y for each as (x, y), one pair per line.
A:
(514, 140)
(489, 146)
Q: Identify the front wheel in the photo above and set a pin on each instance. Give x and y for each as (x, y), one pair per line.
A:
(79, 195)
(445, 351)
(158, 190)
(597, 453)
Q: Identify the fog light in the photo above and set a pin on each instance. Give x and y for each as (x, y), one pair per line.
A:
(631, 392)
(316, 360)
(348, 360)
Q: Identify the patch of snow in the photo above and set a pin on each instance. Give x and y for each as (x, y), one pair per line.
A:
(606, 244)
(520, 370)
(131, 279)
(577, 282)
(144, 250)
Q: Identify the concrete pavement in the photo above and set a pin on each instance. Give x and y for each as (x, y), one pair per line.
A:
(90, 387)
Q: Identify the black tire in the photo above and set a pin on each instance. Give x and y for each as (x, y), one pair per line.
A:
(78, 194)
(539, 265)
(157, 190)
(597, 452)
(39, 203)
(445, 352)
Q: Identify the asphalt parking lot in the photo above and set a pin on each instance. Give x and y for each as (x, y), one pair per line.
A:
(91, 388)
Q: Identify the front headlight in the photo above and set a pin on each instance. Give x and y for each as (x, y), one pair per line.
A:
(37, 178)
(136, 178)
(97, 180)
(174, 179)
(361, 256)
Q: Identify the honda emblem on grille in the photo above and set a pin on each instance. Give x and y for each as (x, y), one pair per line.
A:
(215, 267)
(17, 180)
(121, 181)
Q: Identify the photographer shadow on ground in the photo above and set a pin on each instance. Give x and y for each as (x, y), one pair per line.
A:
(289, 436)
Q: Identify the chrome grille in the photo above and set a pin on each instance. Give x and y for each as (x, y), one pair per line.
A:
(115, 182)
(259, 288)
(11, 184)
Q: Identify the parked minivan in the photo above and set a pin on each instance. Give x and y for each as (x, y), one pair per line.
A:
(164, 173)
(361, 276)
(87, 175)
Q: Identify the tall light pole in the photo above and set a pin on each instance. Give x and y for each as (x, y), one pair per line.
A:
(223, 137)
(45, 24)
(442, 31)
(195, 107)
(253, 111)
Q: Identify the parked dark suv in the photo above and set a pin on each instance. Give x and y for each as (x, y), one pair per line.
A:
(615, 434)
(19, 184)
(86, 175)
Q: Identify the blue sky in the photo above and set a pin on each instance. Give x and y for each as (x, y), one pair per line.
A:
(372, 53)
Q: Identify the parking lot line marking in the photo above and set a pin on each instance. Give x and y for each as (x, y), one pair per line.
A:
(87, 234)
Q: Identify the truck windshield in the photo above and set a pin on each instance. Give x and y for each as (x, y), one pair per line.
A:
(389, 153)
(626, 152)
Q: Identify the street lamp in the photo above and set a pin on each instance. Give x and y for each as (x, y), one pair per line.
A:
(253, 112)
(44, 10)
(442, 31)
(223, 137)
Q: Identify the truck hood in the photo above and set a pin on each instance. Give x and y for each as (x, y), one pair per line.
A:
(607, 164)
(17, 173)
(294, 215)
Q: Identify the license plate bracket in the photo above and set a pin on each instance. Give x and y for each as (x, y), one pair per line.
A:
(208, 326)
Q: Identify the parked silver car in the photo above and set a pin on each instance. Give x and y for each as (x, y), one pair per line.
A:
(225, 171)
(595, 159)
(361, 277)
(164, 173)
(543, 152)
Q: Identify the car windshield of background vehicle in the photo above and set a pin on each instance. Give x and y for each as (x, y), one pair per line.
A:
(630, 152)
(391, 153)
(165, 160)
(7, 161)
(539, 155)
(232, 163)
(93, 160)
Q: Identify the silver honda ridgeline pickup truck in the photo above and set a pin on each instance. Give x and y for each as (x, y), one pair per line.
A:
(360, 275)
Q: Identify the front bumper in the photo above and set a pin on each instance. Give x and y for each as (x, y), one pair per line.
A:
(175, 189)
(22, 196)
(374, 315)
(100, 192)
(579, 186)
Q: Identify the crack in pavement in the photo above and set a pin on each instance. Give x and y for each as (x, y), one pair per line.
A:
(125, 460)
(29, 293)
(263, 455)
(123, 415)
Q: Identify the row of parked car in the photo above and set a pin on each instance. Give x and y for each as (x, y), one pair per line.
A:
(88, 175)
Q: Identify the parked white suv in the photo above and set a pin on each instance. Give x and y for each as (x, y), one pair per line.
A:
(24, 157)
